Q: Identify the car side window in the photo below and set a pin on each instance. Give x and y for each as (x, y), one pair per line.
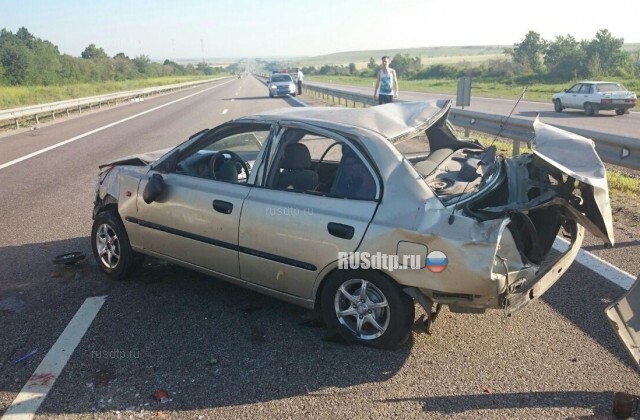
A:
(320, 165)
(586, 89)
(227, 156)
(575, 88)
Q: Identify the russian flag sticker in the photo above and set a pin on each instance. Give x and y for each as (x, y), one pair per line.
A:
(437, 261)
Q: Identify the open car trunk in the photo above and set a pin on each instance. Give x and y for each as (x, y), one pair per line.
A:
(561, 186)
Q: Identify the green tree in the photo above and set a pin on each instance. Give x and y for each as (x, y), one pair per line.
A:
(15, 58)
(352, 68)
(529, 52)
(405, 65)
(604, 54)
(565, 58)
(92, 52)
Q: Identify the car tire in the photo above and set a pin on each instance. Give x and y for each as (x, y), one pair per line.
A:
(557, 105)
(111, 246)
(293, 94)
(270, 95)
(620, 111)
(351, 314)
(589, 109)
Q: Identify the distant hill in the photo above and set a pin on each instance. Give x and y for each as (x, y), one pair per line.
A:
(428, 55)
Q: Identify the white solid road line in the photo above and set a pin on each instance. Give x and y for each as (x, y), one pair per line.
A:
(55, 146)
(598, 265)
(40, 383)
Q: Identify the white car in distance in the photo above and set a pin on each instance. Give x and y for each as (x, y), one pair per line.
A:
(595, 96)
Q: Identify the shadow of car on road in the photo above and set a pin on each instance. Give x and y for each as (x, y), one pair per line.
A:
(207, 343)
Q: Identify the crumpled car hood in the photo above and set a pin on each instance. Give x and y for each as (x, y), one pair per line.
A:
(576, 157)
(141, 159)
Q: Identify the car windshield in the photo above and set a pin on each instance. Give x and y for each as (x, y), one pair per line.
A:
(280, 78)
(610, 87)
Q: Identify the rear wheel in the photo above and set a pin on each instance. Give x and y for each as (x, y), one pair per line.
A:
(111, 247)
(557, 105)
(589, 109)
(368, 308)
(620, 111)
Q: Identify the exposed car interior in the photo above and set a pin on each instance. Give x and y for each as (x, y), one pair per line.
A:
(448, 165)
(320, 165)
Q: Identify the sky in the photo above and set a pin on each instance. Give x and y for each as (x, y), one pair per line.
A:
(182, 29)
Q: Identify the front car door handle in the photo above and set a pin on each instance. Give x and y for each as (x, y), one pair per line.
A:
(341, 231)
(222, 206)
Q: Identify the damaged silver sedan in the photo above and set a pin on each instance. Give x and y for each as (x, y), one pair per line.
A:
(358, 213)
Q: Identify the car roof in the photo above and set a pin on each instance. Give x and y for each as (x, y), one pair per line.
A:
(392, 121)
(597, 82)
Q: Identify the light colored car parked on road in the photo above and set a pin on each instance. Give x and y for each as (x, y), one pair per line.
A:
(274, 201)
(593, 97)
(281, 84)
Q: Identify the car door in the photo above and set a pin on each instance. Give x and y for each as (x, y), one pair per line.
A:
(584, 95)
(196, 218)
(288, 235)
(570, 98)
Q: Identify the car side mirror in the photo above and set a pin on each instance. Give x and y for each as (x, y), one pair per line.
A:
(154, 188)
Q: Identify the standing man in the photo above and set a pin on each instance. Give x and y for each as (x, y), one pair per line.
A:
(387, 82)
(299, 77)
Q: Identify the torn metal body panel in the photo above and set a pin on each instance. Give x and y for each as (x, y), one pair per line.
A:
(624, 316)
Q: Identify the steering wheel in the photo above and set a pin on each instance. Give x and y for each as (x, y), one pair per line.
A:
(219, 158)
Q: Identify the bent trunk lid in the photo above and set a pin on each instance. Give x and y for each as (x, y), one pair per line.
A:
(576, 157)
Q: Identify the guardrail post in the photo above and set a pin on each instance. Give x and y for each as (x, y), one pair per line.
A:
(17, 124)
(516, 147)
(37, 122)
(79, 110)
(67, 111)
(53, 115)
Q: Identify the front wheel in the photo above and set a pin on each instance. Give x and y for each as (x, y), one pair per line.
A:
(557, 105)
(368, 308)
(111, 247)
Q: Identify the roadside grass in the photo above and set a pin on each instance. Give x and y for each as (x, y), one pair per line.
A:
(19, 96)
(536, 92)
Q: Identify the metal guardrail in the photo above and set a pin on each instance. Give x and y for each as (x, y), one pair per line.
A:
(51, 109)
(614, 149)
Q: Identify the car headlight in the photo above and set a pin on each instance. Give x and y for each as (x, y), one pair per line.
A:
(272, 87)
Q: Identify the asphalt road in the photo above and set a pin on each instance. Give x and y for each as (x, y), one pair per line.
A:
(223, 352)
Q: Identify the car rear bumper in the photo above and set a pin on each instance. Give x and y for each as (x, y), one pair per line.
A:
(611, 107)
(521, 294)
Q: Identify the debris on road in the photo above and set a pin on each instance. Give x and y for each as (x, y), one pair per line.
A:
(162, 396)
(624, 405)
(69, 258)
(26, 356)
